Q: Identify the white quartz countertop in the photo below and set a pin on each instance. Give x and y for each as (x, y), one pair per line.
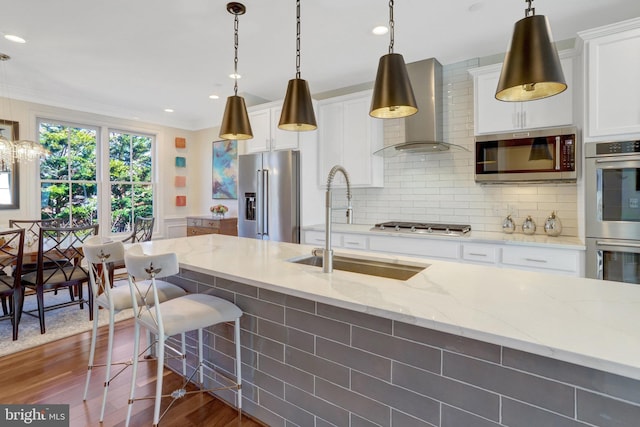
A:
(560, 242)
(589, 322)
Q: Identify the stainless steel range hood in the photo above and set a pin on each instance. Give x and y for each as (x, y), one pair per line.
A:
(424, 130)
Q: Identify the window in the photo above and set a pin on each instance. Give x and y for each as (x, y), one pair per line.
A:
(129, 179)
(75, 186)
(68, 182)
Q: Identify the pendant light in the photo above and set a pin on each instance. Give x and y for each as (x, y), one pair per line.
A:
(392, 92)
(540, 150)
(531, 68)
(235, 122)
(297, 111)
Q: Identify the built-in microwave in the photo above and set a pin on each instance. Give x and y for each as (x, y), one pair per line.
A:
(529, 156)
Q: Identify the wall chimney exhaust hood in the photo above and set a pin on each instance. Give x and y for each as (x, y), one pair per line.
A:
(423, 130)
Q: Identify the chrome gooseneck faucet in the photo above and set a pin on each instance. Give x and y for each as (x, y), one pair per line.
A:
(327, 253)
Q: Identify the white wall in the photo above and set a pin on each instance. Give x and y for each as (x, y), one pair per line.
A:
(441, 188)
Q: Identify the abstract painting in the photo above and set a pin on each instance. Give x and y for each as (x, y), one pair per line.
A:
(225, 169)
(180, 142)
(181, 200)
(181, 162)
(181, 181)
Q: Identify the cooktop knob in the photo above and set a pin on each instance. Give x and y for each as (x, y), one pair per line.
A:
(397, 228)
(381, 226)
(429, 230)
(413, 228)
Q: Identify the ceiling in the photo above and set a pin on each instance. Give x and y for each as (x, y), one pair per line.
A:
(134, 58)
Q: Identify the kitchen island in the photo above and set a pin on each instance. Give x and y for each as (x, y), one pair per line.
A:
(455, 345)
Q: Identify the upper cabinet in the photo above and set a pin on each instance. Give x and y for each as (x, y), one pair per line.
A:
(348, 136)
(493, 116)
(612, 64)
(266, 135)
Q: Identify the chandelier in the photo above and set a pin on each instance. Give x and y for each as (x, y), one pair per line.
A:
(13, 149)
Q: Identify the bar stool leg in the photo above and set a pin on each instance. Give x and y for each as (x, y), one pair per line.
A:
(183, 350)
(238, 363)
(200, 359)
(159, 374)
(134, 373)
(107, 377)
(92, 351)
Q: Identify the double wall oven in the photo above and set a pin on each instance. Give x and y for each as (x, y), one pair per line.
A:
(612, 185)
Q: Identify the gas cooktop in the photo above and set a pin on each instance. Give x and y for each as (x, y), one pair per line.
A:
(423, 228)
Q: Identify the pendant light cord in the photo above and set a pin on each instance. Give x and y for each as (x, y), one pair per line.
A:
(297, 39)
(235, 58)
(391, 27)
(529, 9)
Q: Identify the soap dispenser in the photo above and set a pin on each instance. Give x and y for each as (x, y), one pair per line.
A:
(553, 226)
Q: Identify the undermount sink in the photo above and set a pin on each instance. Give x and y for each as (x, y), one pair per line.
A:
(370, 266)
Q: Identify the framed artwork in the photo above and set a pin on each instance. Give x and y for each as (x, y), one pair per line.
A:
(181, 142)
(181, 162)
(225, 169)
(9, 173)
(181, 181)
(181, 200)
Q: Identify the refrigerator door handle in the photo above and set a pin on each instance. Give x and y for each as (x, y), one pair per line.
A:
(265, 203)
(259, 208)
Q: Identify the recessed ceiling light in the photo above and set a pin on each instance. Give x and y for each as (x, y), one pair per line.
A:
(380, 30)
(235, 76)
(168, 110)
(214, 96)
(14, 38)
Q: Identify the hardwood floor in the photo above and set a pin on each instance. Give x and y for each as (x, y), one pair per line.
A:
(56, 373)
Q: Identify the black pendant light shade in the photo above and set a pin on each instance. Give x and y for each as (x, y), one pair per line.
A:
(235, 122)
(392, 92)
(297, 110)
(531, 69)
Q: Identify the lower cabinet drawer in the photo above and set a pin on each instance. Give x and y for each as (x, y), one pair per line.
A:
(354, 241)
(315, 238)
(199, 231)
(429, 248)
(541, 258)
(480, 253)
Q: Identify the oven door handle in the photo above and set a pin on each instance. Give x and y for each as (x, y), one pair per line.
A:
(614, 244)
(618, 159)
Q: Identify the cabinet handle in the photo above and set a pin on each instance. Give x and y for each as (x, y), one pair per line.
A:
(476, 254)
(320, 240)
(543, 261)
(353, 243)
(524, 119)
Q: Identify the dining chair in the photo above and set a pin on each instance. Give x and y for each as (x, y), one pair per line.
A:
(142, 230)
(59, 265)
(100, 253)
(31, 235)
(11, 251)
(173, 318)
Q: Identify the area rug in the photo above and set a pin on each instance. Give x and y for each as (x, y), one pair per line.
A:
(60, 323)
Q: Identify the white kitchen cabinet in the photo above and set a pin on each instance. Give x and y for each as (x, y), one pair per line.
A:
(266, 134)
(348, 136)
(493, 116)
(480, 252)
(541, 259)
(423, 247)
(338, 240)
(612, 63)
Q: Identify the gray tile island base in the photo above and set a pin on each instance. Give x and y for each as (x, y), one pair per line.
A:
(308, 363)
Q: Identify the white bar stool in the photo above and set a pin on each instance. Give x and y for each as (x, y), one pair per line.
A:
(100, 254)
(176, 317)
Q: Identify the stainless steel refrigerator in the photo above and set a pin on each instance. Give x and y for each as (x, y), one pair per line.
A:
(269, 196)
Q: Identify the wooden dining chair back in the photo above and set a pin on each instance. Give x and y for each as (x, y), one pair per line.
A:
(11, 251)
(59, 265)
(31, 235)
(142, 230)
